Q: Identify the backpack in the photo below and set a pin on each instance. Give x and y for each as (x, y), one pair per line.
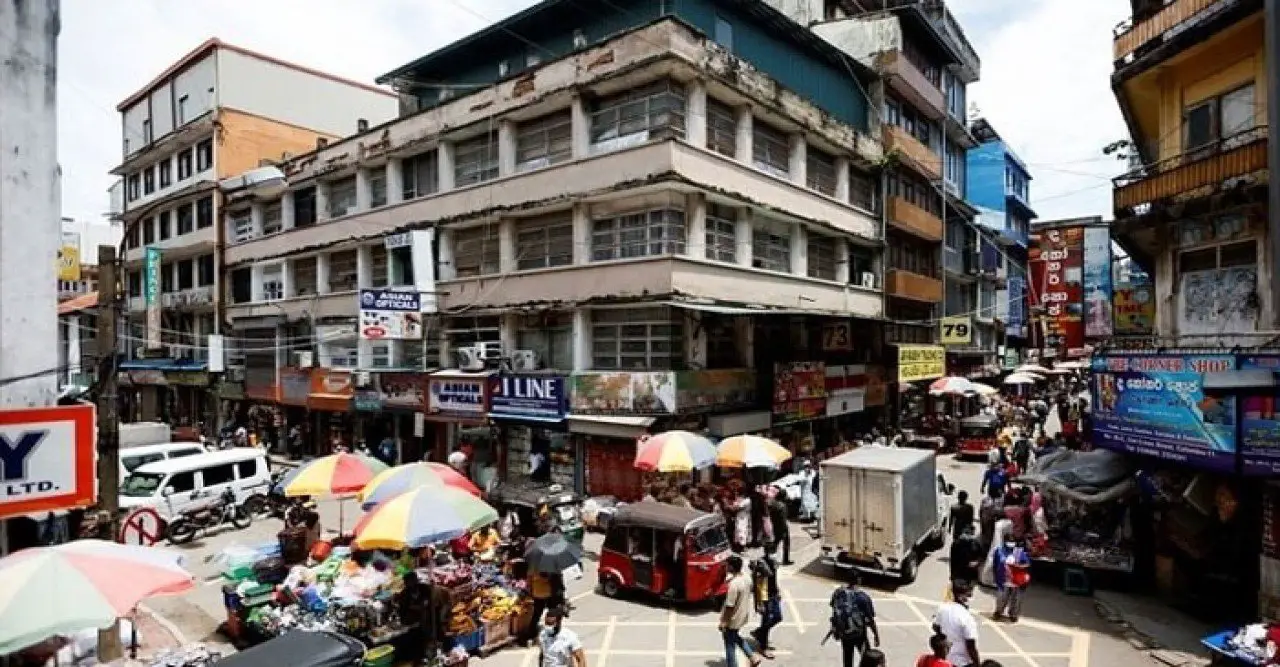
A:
(847, 618)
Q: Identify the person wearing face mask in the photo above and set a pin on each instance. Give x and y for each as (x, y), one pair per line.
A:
(559, 646)
(1012, 570)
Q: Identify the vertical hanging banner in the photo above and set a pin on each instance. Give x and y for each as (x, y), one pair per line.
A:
(69, 257)
(1055, 262)
(1098, 322)
(151, 293)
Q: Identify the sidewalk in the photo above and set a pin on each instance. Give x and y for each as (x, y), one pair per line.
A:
(1168, 636)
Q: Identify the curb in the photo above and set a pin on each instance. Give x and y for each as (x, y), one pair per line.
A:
(1144, 642)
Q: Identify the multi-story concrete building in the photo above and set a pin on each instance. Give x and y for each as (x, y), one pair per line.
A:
(631, 194)
(217, 112)
(1000, 188)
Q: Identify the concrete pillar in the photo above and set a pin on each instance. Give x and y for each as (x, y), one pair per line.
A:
(508, 327)
(255, 283)
(744, 141)
(506, 245)
(256, 218)
(395, 180)
(445, 254)
(742, 236)
(581, 340)
(580, 127)
(322, 273)
(842, 179)
(799, 250)
(286, 278)
(506, 148)
(799, 166)
(842, 261)
(445, 151)
(392, 276)
(695, 347)
(744, 330)
(695, 113)
(581, 233)
(364, 354)
(695, 219)
(364, 194)
(288, 214)
(322, 201)
(364, 266)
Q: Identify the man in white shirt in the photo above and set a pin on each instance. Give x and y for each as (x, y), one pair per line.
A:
(956, 622)
(559, 646)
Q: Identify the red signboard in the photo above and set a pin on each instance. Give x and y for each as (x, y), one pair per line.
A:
(1056, 264)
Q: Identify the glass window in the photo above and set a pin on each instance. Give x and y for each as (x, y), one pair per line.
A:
(378, 265)
(770, 250)
(722, 240)
(186, 274)
(343, 274)
(1238, 111)
(544, 242)
(1199, 125)
(182, 482)
(165, 169)
(204, 213)
(421, 175)
(304, 207)
(655, 111)
(148, 231)
(165, 221)
(550, 336)
(476, 250)
(134, 185)
(635, 339)
(186, 219)
(475, 160)
(204, 155)
(722, 128)
(724, 33)
(148, 180)
(820, 171)
(641, 234)
(273, 283)
(342, 197)
(184, 165)
(544, 142)
(204, 270)
(770, 149)
(223, 474)
(247, 469)
(272, 217)
(864, 191)
(378, 187)
(823, 256)
(241, 224)
(305, 276)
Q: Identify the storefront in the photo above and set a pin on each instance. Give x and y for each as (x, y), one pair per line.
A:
(391, 407)
(529, 412)
(329, 400)
(172, 391)
(456, 408)
(915, 367)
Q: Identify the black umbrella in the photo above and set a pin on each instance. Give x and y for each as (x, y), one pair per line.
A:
(553, 554)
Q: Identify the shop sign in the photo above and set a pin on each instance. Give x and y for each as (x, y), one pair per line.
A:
(260, 383)
(231, 391)
(47, 458)
(661, 393)
(187, 378)
(921, 362)
(1055, 262)
(701, 391)
(390, 315)
(799, 391)
(1134, 309)
(401, 391)
(956, 330)
(1010, 358)
(877, 391)
(1260, 424)
(1154, 405)
(295, 386)
(535, 397)
(846, 389)
(367, 400)
(331, 390)
(837, 336)
(457, 396)
(148, 377)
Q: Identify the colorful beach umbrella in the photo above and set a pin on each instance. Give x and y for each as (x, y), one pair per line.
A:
(1031, 368)
(403, 478)
(61, 590)
(984, 389)
(675, 451)
(1021, 378)
(423, 516)
(953, 385)
(339, 474)
(750, 451)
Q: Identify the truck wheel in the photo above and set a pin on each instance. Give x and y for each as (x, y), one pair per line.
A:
(936, 540)
(907, 569)
(609, 586)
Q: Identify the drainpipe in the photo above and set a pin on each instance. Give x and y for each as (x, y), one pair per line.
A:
(1273, 150)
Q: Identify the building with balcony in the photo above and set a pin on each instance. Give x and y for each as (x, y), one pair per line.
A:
(1190, 78)
(218, 111)
(1000, 188)
(666, 189)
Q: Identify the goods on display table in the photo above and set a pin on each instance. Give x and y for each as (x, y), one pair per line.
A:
(1250, 645)
(1087, 500)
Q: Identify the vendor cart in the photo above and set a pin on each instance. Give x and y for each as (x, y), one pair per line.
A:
(301, 649)
(562, 507)
(1221, 652)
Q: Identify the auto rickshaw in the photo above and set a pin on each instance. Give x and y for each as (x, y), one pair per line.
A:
(977, 435)
(675, 553)
(301, 648)
(529, 499)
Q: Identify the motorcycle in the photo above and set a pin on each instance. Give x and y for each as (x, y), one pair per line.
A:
(191, 522)
(275, 504)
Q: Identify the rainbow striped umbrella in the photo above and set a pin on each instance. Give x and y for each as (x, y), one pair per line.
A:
(750, 451)
(400, 479)
(339, 474)
(423, 516)
(64, 589)
(674, 451)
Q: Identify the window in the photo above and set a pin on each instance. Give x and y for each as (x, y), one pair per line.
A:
(273, 282)
(722, 341)
(544, 242)
(722, 128)
(724, 33)
(247, 469)
(544, 142)
(770, 250)
(184, 165)
(166, 227)
(642, 234)
(223, 474)
(864, 191)
(166, 277)
(341, 353)
(146, 131)
(342, 197)
(504, 68)
(242, 285)
(182, 482)
(550, 336)
(378, 266)
(915, 191)
(148, 180)
(402, 266)
(916, 257)
(380, 354)
(820, 171)
(862, 266)
(204, 213)
(165, 168)
(532, 59)
(304, 207)
(343, 273)
(1238, 111)
(241, 225)
(134, 186)
(182, 110)
(204, 155)
(475, 251)
(823, 256)
(304, 276)
(421, 175)
(923, 62)
(135, 283)
(186, 219)
(722, 240)
(205, 271)
(636, 338)
(148, 231)
(770, 150)
(1219, 118)
(655, 111)
(132, 239)
(272, 218)
(475, 160)
(377, 187)
(186, 274)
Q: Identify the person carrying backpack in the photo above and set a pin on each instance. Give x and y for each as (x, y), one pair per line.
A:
(853, 619)
(767, 598)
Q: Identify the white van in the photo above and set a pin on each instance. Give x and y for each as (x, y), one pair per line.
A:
(171, 486)
(135, 457)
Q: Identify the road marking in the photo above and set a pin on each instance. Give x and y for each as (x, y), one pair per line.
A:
(1080, 650)
(531, 654)
(165, 623)
(1017, 648)
(582, 595)
(608, 640)
(919, 614)
(794, 609)
(671, 638)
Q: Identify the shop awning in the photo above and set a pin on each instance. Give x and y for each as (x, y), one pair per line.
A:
(740, 310)
(609, 426)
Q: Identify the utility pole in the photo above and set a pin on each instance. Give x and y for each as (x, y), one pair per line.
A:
(109, 646)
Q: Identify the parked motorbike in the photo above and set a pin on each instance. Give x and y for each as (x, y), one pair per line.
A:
(193, 521)
(275, 504)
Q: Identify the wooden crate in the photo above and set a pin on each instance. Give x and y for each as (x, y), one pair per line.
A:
(497, 634)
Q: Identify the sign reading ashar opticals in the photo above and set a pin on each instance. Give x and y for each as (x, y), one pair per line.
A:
(457, 395)
(921, 362)
(390, 315)
(534, 397)
(46, 459)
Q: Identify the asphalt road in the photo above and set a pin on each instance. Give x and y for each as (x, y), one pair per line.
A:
(1056, 630)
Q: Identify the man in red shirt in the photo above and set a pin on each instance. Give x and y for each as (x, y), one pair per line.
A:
(940, 646)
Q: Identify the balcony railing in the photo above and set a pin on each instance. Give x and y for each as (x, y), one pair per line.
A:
(913, 153)
(912, 219)
(908, 285)
(1172, 19)
(912, 84)
(1237, 155)
(953, 261)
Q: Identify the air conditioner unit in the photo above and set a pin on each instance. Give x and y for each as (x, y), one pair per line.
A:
(868, 280)
(469, 359)
(363, 379)
(488, 350)
(524, 360)
(305, 359)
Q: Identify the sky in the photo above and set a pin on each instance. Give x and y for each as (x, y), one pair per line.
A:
(1044, 86)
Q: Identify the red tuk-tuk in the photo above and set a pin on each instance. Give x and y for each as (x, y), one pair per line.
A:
(977, 435)
(672, 552)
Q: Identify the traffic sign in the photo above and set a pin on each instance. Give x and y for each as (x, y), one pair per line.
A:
(141, 527)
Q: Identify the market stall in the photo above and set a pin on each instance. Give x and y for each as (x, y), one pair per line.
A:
(1088, 498)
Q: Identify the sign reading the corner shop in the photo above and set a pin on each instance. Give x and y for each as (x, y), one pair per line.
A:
(921, 362)
(459, 397)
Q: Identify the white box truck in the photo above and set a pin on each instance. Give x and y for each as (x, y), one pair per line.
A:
(883, 510)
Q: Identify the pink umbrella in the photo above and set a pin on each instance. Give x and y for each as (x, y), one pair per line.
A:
(951, 385)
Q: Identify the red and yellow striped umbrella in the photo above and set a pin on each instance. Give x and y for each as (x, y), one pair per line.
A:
(334, 475)
(675, 451)
(750, 451)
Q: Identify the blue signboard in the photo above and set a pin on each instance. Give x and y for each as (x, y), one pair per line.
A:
(1017, 288)
(543, 398)
(1154, 405)
(1260, 424)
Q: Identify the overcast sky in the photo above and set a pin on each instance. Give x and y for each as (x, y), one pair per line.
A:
(1045, 67)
